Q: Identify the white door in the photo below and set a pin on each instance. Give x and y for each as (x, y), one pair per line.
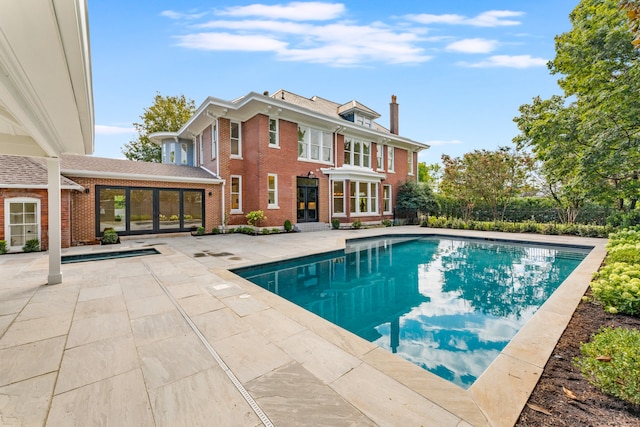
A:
(22, 221)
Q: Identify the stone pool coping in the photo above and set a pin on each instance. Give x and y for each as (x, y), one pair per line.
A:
(277, 350)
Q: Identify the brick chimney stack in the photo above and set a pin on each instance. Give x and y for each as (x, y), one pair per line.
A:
(394, 125)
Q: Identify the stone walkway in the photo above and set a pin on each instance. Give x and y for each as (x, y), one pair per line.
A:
(175, 339)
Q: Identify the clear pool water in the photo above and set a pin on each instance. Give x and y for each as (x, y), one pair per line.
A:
(447, 305)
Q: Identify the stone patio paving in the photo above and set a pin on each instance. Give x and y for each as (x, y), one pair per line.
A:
(175, 339)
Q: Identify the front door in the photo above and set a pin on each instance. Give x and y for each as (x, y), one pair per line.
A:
(307, 200)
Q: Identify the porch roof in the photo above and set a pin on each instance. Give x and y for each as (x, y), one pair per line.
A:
(27, 172)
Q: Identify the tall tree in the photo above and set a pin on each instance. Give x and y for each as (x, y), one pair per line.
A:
(588, 138)
(493, 177)
(167, 114)
(430, 175)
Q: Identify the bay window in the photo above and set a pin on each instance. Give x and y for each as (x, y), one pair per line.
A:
(363, 197)
(338, 197)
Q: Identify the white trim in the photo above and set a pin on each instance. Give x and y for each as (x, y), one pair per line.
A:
(231, 154)
(7, 219)
(345, 207)
(380, 155)
(139, 177)
(277, 132)
(231, 178)
(390, 211)
(353, 173)
(370, 203)
(214, 139)
(391, 159)
(42, 187)
(352, 152)
(275, 190)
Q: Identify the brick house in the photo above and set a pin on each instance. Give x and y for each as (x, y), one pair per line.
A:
(307, 160)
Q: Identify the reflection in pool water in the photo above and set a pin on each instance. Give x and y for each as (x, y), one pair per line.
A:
(447, 305)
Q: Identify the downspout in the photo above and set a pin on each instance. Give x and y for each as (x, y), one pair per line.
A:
(224, 182)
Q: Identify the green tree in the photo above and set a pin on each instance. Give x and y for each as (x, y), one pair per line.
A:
(587, 139)
(412, 195)
(430, 175)
(493, 177)
(167, 114)
(632, 7)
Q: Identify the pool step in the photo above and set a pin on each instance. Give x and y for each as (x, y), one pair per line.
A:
(312, 226)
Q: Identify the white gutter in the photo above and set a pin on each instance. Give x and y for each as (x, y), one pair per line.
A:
(140, 177)
(42, 187)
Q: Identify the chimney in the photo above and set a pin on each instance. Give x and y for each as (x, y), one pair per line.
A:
(394, 125)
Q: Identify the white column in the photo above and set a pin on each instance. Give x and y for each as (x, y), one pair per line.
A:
(55, 224)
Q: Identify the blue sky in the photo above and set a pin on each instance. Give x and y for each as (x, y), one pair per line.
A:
(459, 68)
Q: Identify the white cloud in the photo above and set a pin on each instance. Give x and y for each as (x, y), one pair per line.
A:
(472, 46)
(339, 44)
(226, 41)
(508, 61)
(440, 143)
(492, 18)
(294, 11)
(181, 16)
(113, 130)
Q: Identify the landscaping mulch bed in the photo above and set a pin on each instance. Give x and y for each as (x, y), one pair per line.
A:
(550, 405)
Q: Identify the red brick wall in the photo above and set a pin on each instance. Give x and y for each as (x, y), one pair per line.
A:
(41, 194)
(84, 205)
(259, 160)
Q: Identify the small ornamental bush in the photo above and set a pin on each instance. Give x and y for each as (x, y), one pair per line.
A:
(265, 231)
(275, 231)
(215, 230)
(32, 245)
(109, 237)
(335, 223)
(611, 362)
(617, 287)
(356, 224)
(200, 231)
(387, 222)
(629, 235)
(288, 226)
(254, 218)
(626, 252)
(3, 247)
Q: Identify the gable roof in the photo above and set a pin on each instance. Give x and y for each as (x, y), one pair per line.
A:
(101, 167)
(28, 172)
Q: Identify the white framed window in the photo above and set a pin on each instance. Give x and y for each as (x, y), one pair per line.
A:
(386, 199)
(363, 121)
(363, 198)
(338, 198)
(183, 154)
(200, 161)
(357, 153)
(272, 190)
(236, 194)
(410, 162)
(214, 140)
(390, 159)
(236, 139)
(379, 157)
(274, 140)
(315, 144)
(21, 222)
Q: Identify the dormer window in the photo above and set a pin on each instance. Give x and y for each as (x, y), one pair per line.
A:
(363, 121)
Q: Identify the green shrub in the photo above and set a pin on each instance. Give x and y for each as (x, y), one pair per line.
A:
(628, 235)
(231, 230)
(32, 245)
(265, 231)
(356, 224)
(200, 231)
(387, 222)
(275, 231)
(626, 252)
(617, 287)
(624, 219)
(3, 247)
(110, 236)
(215, 230)
(335, 223)
(611, 362)
(288, 226)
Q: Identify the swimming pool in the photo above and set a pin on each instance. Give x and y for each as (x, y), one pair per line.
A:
(448, 305)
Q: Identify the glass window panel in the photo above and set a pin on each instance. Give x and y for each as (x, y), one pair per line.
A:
(352, 197)
(169, 203)
(235, 139)
(141, 206)
(364, 189)
(192, 208)
(347, 152)
(357, 147)
(338, 197)
(236, 194)
(113, 212)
